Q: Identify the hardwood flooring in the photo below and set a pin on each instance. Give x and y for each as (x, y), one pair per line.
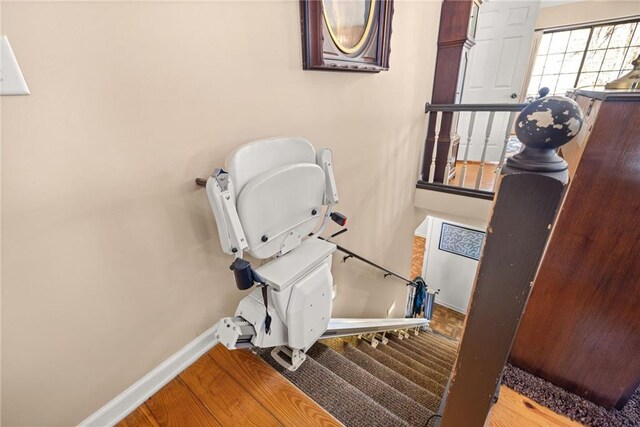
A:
(229, 388)
(473, 169)
(237, 388)
(516, 410)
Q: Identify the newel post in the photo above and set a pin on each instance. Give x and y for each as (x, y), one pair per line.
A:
(529, 196)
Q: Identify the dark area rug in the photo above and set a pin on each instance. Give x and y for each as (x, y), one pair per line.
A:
(568, 404)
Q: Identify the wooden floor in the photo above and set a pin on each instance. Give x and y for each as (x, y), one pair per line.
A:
(229, 388)
(516, 410)
(237, 388)
(473, 170)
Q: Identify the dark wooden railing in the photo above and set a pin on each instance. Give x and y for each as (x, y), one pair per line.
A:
(453, 168)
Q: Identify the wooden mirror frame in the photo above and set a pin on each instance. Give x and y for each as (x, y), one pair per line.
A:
(320, 52)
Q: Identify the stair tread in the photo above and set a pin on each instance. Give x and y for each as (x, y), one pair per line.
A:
(350, 405)
(438, 351)
(388, 375)
(414, 363)
(437, 340)
(431, 353)
(400, 383)
(428, 359)
(398, 403)
(429, 337)
(413, 375)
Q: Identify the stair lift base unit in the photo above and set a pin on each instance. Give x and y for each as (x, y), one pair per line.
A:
(300, 309)
(273, 200)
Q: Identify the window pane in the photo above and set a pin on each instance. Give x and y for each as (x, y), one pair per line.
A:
(559, 42)
(538, 65)
(622, 72)
(561, 58)
(544, 44)
(553, 64)
(572, 62)
(622, 35)
(578, 40)
(593, 60)
(632, 54)
(587, 79)
(550, 82)
(605, 77)
(636, 36)
(565, 82)
(613, 59)
(534, 86)
(601, 36)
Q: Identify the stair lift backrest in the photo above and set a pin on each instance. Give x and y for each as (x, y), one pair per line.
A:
(279, 208)
(258, 157)
(280, 193)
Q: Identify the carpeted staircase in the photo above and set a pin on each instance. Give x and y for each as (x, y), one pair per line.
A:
(397, 384)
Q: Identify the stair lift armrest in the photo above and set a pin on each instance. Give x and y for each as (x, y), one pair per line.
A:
(223, 203)
(324, 159)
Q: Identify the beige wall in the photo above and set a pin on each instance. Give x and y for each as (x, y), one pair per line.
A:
(586, 11)
(1, 32)
(110, 255)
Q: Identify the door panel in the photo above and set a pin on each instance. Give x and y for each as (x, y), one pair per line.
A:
(496, 70)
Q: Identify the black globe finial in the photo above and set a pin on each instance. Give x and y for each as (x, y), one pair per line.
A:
(542, 126)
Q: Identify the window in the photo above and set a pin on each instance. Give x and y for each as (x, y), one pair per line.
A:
(584, 57)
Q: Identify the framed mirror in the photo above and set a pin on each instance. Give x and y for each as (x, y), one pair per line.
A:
(346, 35)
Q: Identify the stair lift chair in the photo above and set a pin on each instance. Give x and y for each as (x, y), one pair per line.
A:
(271, 202)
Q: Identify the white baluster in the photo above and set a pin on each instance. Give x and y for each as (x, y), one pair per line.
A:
(447, 168)
(484, 149)
(432, 167)
(503, 155)
(463, 172)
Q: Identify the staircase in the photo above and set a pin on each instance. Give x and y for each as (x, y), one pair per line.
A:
(399, 383)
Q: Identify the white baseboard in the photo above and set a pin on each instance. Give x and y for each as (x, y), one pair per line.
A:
(124, 403)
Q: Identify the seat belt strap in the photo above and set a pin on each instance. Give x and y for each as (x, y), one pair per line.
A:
(267, 318)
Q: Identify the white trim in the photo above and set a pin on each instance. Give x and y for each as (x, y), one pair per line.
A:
(124, 403)
(533, 55)
(587, 24)
(554, 3)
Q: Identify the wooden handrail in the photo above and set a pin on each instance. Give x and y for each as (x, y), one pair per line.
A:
(452, 108)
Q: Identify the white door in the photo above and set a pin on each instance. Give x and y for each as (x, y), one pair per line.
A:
(496, 71)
